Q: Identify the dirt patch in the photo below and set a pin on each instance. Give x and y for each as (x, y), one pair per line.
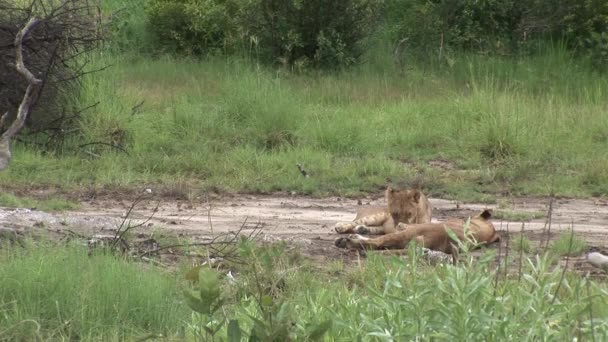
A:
(301, 221)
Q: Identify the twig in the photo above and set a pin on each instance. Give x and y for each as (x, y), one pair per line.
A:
(498, 268)
(548, 221)
(136, 108)
(521, 251)
(507, 251)
(561, 279)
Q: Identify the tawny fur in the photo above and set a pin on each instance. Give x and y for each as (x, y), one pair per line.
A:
(433, 236)
(403, 206)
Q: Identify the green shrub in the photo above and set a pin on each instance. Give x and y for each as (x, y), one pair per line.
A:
(317, 33)
(434, 28)
(198, 27)
(324, 34)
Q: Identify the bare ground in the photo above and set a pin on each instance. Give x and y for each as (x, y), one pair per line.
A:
(306, 222)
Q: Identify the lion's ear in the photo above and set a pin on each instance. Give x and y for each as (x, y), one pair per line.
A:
(486, 214)
(416, 195)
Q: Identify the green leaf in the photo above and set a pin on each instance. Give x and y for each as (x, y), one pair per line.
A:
(266, 300)
(193, 274)
(209, 287)
(317, 332)
(234, 331)
(196, 304)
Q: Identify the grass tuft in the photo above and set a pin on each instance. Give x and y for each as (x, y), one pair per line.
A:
(568, 243)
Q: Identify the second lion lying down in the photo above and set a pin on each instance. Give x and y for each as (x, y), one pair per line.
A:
(433, 236)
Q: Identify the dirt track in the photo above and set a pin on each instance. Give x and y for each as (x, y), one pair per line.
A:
(307, 222)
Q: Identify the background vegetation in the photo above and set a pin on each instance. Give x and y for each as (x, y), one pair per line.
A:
(238, 108)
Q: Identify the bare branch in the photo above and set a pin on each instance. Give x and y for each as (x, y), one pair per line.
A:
(24, 107)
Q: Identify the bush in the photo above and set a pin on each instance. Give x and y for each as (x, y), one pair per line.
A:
(324, 34)
(317, 33)
(196, 27)
(499, 27)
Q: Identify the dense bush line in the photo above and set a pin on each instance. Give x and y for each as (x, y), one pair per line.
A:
(500, 27)
(323, 34)
(330, 34)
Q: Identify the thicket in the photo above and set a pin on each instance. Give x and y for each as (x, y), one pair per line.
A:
(318, 33)
(434, 29)
(332, 34)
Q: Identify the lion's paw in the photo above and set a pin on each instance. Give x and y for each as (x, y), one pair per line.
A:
(362, 229)
(342, 228)
(341, 242)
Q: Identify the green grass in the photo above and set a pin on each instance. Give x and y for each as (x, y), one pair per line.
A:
(50, 204)
(521, 243)
(227, 125)
(530, 126)
(568, 243)
(58, 293)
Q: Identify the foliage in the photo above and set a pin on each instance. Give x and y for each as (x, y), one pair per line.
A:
(58, 292)
(441, 28)
(322, 34)
(295, 33)
(195, 26)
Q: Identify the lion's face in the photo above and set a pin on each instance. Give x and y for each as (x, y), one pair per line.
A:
(403, 204)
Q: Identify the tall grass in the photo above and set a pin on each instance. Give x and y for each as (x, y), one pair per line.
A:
(534, 125)
(58, 293)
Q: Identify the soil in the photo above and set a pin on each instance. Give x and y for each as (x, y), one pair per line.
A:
(303, 221)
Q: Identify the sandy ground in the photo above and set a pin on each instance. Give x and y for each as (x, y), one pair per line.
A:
(306, 222)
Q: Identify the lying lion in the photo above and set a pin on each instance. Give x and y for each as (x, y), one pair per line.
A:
(433, 236)
(403, 206)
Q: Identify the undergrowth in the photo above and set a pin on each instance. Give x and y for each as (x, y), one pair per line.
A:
(54, 292)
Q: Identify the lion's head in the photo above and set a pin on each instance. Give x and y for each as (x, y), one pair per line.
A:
(403, 205)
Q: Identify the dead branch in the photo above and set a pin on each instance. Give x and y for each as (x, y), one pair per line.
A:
(56, 51)
(26, 102)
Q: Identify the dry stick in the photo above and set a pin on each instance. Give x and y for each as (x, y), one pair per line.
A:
(521, 251)
(498, 267)
(561, 279)
(549, 219)
(507, 252)
(588, 283)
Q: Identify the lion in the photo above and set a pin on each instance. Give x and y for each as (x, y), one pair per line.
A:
(403, 206)
(433, 236)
